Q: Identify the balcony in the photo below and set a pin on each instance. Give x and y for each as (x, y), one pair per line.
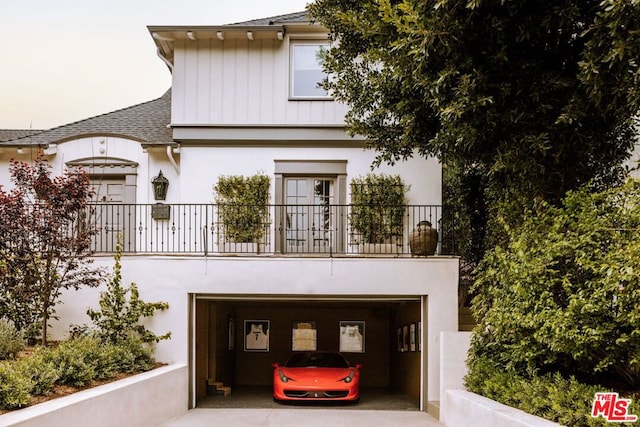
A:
(282, 230)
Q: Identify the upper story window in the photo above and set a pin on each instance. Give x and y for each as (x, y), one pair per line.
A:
(306, 70)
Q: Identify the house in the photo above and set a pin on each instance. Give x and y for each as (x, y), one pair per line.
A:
(244, 101)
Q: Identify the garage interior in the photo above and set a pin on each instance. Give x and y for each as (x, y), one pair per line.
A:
(391, 359)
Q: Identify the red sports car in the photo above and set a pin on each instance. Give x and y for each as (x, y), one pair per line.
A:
(316, 375)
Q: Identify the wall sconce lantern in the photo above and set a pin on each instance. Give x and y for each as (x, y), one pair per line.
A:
(160, 186)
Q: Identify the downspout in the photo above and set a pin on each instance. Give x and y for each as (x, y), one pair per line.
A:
(172, 159)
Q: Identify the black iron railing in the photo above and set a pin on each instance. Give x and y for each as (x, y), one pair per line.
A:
(283, 229)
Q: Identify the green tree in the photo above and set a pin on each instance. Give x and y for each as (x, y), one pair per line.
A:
(45, 243)
(563, 296)
(540, 97)
(119, 316)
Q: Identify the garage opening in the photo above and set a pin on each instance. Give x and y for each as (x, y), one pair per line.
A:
(236, 341)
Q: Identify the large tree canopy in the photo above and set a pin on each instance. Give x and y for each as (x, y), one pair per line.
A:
(539, 96)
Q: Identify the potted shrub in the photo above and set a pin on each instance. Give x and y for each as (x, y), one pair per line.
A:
(242, 211)
(377, 212)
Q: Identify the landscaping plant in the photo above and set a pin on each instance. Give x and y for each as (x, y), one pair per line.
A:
(377, 207)
(563, 296)
(121, 310)
(44, 243)
(242, 206)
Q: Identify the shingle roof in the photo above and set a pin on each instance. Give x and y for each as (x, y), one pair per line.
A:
(279, 19)
(9, 134)
(147, 122)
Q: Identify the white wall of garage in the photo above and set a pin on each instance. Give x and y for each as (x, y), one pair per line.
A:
(174, 279)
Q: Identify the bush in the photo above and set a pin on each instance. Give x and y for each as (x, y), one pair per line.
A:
(564, 294)
(378, 204)
(11, 340)
(551, 396)
(242, 206)
(83, 360)
(131, 355)
(40, 370)
(77, 361)
(15, 387)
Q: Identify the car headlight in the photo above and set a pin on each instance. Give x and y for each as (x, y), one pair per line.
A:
(282, 376)
(349, 377)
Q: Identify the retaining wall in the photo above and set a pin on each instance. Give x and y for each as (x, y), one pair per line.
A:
(148, 399)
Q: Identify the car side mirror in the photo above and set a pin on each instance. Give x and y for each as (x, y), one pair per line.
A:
(358, 366)
(275, 365)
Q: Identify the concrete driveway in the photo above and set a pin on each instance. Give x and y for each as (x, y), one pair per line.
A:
(307, 417)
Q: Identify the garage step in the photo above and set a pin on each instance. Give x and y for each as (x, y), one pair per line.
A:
(219, 387)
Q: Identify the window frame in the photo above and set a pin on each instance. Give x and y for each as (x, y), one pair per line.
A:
(293, 43)
(322, 169)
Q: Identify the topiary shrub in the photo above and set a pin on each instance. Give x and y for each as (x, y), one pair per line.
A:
(242, 206)
(377, 207)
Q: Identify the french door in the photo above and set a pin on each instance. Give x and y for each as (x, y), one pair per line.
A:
(311, 222)
(112, 217)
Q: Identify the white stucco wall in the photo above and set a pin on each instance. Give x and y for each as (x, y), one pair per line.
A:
(200, 166)
(454, 349)
(172, 279)
(466, 409)
(145, 400)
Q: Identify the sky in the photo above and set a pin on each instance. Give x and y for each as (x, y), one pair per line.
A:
(67, 60)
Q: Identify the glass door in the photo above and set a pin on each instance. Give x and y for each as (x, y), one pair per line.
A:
(310, 222)
(112, 217)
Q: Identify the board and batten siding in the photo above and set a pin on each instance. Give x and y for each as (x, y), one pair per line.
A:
(241, 82)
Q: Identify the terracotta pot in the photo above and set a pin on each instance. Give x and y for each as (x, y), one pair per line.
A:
(423, 240)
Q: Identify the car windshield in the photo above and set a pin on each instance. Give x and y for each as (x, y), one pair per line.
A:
(317, 360)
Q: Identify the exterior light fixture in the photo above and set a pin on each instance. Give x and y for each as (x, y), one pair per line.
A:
(160, 185)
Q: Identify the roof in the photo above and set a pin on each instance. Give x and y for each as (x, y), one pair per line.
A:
(9, 134)
(273, 28)
(275, 20)
(147, 122)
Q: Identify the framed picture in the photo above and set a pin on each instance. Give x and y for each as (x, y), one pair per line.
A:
(352, 336)
(400, 341)
(405, 338)
(232, 334)
(419, 336)
(304, 336)
(256, 333)
(412, 337)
